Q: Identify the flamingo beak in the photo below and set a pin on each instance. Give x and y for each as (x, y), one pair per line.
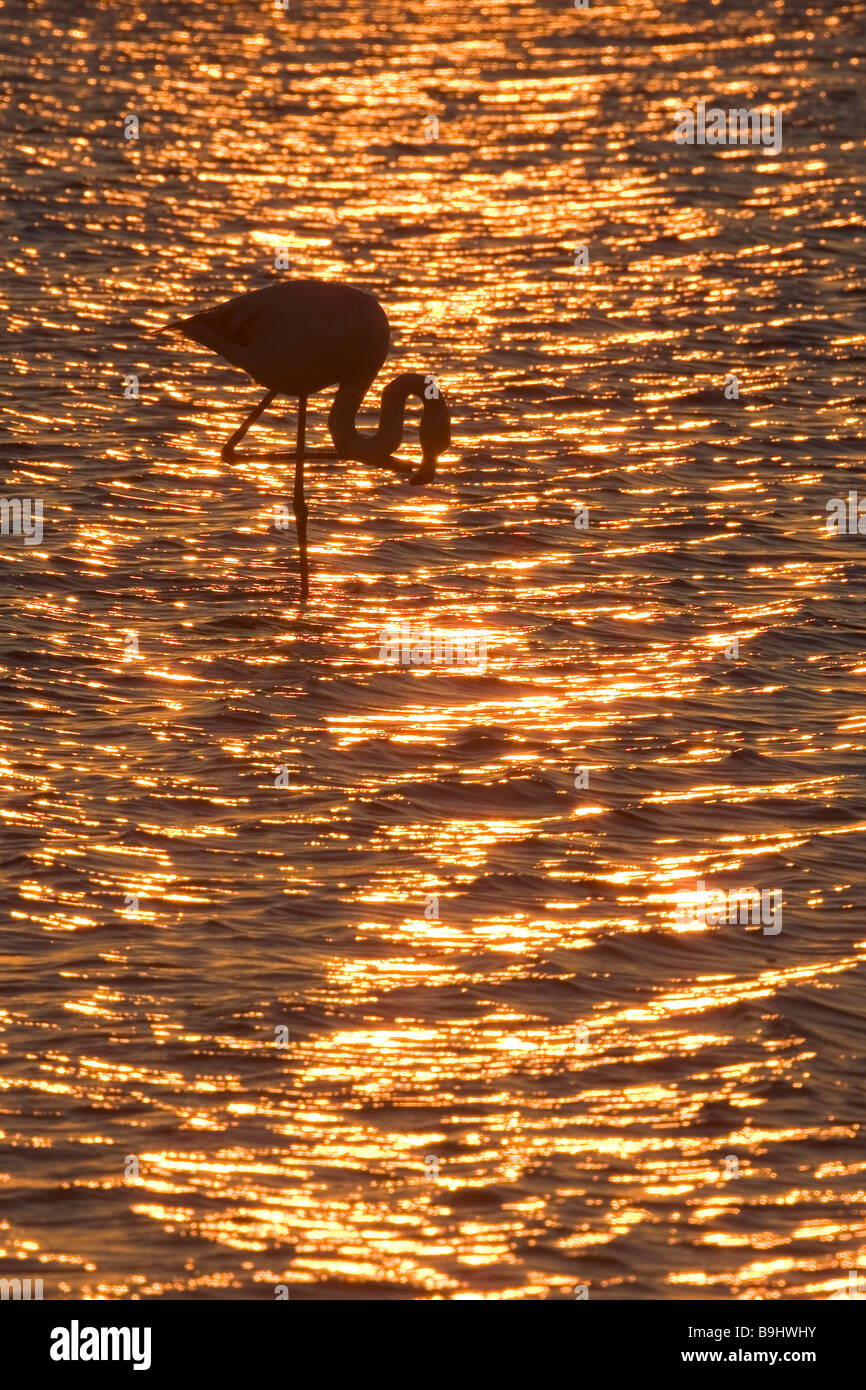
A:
(426, 473)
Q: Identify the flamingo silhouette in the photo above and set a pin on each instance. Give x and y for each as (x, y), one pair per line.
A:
(299, 336)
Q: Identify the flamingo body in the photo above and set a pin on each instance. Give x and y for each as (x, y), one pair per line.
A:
(298, 336)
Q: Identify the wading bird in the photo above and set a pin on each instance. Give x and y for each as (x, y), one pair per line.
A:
(298, 337)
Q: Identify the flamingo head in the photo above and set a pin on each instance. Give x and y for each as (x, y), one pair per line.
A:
(434, 431)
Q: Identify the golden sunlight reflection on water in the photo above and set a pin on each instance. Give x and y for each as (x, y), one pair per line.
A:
(510, 1069)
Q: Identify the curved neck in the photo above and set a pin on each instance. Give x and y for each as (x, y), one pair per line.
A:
(372, 448)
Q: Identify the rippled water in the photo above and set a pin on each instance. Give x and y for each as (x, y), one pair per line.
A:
(510, 1069)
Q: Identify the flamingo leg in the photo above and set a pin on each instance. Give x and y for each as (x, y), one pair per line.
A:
(299, 506)
(228, 449)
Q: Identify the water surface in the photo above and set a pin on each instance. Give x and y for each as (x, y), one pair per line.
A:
(509, 1071)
